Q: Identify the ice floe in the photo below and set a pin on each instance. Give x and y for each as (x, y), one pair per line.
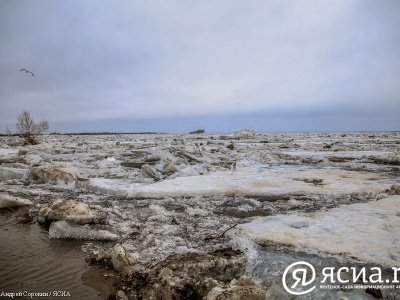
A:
(70, 210)
(255, 183)
(369, 232)
(10, 201)
(66, 230)
(7, 173)
(53, 174)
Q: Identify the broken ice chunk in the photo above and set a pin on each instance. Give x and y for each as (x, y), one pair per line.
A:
(65, 230)
(69, 210)
(9, 201)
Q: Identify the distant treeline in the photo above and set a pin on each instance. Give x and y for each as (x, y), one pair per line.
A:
(103, 133)
(90, 133)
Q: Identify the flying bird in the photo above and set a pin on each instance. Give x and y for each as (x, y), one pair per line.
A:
(27, 71)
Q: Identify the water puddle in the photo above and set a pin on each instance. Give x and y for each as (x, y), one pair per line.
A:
(33, 263)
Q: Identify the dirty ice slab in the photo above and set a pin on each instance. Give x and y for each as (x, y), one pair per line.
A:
(369, 232)
(255, 183)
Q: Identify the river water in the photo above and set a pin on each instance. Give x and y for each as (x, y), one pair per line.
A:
(30, 262)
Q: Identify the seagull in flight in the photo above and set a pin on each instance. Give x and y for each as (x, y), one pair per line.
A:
(27, 71)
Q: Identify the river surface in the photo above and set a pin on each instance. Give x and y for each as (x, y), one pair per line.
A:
(33, 263)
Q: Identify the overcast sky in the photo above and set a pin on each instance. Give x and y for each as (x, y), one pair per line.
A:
(218, 65)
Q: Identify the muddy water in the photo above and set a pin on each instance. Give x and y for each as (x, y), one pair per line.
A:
(30, 262)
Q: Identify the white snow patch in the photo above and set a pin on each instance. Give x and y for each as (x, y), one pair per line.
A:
(369, 231)
(114, 187)
(109, 162)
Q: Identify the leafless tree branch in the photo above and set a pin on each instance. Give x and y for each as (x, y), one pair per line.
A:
(210, 237)
(28, 129)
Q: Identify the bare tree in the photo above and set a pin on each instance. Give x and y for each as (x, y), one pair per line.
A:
(29, 130)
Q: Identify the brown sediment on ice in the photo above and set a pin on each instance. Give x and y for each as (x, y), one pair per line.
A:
(186, 275)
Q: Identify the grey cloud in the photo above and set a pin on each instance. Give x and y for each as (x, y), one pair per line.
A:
(97, 62)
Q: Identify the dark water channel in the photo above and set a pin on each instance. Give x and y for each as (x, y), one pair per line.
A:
(30, 262)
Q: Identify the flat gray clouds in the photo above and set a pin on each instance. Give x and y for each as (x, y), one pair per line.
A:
(157, 65)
